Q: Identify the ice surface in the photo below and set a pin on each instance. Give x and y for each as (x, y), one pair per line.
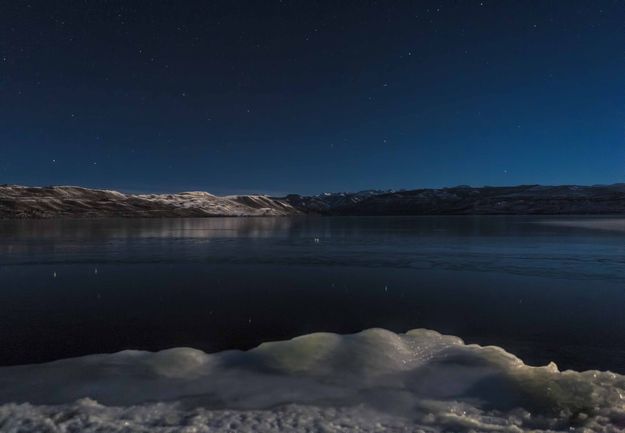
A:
(608, 224)
(371, 381)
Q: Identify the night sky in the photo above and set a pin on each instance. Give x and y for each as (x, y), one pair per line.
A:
(309, 96)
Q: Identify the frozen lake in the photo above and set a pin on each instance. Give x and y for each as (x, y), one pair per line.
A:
(543, 288)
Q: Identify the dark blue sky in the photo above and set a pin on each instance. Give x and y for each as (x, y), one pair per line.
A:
(311, 96)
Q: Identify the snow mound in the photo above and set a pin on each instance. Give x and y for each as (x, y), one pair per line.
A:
(375, 380)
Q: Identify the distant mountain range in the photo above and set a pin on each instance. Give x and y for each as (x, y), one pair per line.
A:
(69, 201)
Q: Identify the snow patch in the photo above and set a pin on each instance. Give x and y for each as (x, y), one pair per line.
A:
(375, 380)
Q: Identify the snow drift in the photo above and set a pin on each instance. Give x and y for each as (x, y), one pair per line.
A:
(371, 381)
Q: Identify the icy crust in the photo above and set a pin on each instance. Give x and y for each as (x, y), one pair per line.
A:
(371, 381)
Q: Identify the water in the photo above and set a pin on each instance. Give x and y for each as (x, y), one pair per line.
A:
(544, 288)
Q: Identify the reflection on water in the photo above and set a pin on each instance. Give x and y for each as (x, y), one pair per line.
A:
(544, 288)
(143, 228)
(610, 224)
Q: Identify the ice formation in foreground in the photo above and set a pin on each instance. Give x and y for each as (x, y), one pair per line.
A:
(373, 381)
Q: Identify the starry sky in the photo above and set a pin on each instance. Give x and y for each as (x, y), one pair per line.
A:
(304, 96)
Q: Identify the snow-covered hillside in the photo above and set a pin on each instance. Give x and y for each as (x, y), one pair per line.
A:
(70, 201)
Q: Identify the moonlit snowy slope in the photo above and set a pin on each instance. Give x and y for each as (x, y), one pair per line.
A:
(70, 201)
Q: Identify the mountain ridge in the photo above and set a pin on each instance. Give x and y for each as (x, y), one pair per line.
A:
(18, 201)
